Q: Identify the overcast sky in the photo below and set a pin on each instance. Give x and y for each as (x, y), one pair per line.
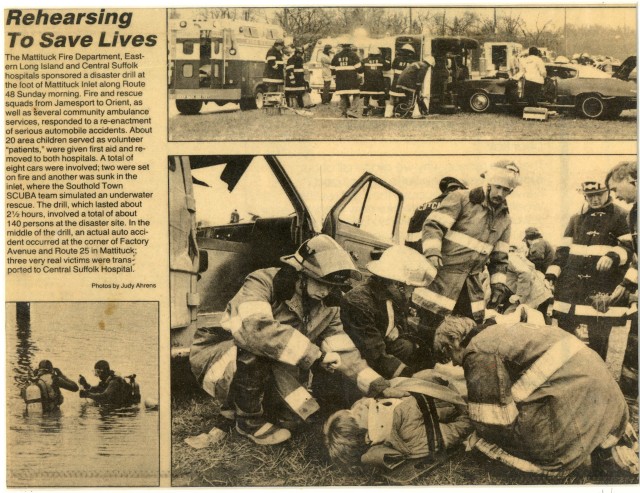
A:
(547, 198)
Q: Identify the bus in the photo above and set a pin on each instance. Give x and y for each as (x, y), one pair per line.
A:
(218, 61)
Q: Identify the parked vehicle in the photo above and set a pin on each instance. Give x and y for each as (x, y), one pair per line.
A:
(218, 61)
(250, 213)
(590, 92)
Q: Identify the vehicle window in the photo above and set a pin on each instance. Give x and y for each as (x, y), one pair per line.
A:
(258, 195)
(187, 70)
(373, 209)
(187, 48)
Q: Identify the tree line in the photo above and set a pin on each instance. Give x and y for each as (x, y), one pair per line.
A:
(308, 25)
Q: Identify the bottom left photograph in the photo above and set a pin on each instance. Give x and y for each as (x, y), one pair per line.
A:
(82, 394)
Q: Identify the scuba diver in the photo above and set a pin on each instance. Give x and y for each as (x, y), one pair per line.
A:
(112, 389)
(44, 387)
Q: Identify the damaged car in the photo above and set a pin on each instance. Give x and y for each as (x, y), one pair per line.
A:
(590, 92)
(251, 210)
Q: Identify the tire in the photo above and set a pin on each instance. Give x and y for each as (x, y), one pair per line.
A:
(259, 98)
(248, 104)
(479, 102)
(189, 106)
(591, 107)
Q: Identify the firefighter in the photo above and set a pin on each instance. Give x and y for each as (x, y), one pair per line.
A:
(589, 264)
(470, 229)
(275, 329)
(540, 251)
(533, 70)
(273, 75)
(295, 85)
(374, 314)
(374, 85)
(346, 69)
(621, 180)
(411, 81)
(414, 233)
(540, 400)
(406, 55)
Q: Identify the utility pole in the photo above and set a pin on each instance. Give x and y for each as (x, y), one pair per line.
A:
(410, 21)
(566, 51)
(444, 16)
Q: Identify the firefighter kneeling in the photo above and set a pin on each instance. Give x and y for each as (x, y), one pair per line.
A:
(275, 329)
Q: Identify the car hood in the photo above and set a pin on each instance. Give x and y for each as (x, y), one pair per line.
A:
(625, 69)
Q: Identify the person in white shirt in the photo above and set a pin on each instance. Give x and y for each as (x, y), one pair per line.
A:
(533, 70)
(325, 61)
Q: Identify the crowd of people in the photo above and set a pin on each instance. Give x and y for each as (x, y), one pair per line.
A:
(357, 82)
(530, 326)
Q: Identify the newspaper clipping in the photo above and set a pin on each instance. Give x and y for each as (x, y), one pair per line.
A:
(321, 246)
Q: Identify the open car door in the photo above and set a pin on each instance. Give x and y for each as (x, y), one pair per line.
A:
(366, 219)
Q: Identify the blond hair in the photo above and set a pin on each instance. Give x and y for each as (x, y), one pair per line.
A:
(452, 329)
(344, 439)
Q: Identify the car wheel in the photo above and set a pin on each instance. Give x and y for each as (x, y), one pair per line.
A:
(591, 107)
(188, 106)
(259, 98)
(479, 102)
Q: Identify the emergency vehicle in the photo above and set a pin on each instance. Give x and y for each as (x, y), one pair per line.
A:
(500, 59)
(218, 61)
(453, 57)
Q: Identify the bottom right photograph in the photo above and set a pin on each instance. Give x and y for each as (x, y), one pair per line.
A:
(403, 320)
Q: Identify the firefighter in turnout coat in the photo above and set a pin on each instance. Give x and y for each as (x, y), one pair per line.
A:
(540, 400)
(411, 81)
(346, 69)
(295, 86)
(470, 229)
(374, 66)
(274, 330)
(273, 74)
(621, 180)
(414, 232)
(590, 262)
(406, 55)
(374, 314)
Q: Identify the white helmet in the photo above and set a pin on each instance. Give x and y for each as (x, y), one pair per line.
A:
(503, 173)
(324, 260)
(430, 60)
(408, 47)
(374, 50)
(403, 264)
(562, 59)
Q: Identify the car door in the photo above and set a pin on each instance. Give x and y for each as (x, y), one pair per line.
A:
(366, 219)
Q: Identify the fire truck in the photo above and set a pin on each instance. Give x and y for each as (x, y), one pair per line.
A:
(218, 61)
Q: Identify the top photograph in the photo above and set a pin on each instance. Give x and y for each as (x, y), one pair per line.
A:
(408, 74)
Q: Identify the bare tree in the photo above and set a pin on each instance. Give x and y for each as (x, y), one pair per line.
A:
(306, 25)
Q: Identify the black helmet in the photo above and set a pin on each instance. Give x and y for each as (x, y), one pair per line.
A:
(102, 365)
(447, 181)
(45, 364)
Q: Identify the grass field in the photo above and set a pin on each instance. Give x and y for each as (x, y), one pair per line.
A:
(325, 124)
(302, 461)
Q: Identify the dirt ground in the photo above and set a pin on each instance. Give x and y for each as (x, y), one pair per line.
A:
(325, 123)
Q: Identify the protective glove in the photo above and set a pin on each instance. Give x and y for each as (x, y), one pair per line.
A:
(83, 381)
(618, 293)
(83, 393)
(331, 361)
(600, 302)
(435, 260)
(393, 393)
(499, 294)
